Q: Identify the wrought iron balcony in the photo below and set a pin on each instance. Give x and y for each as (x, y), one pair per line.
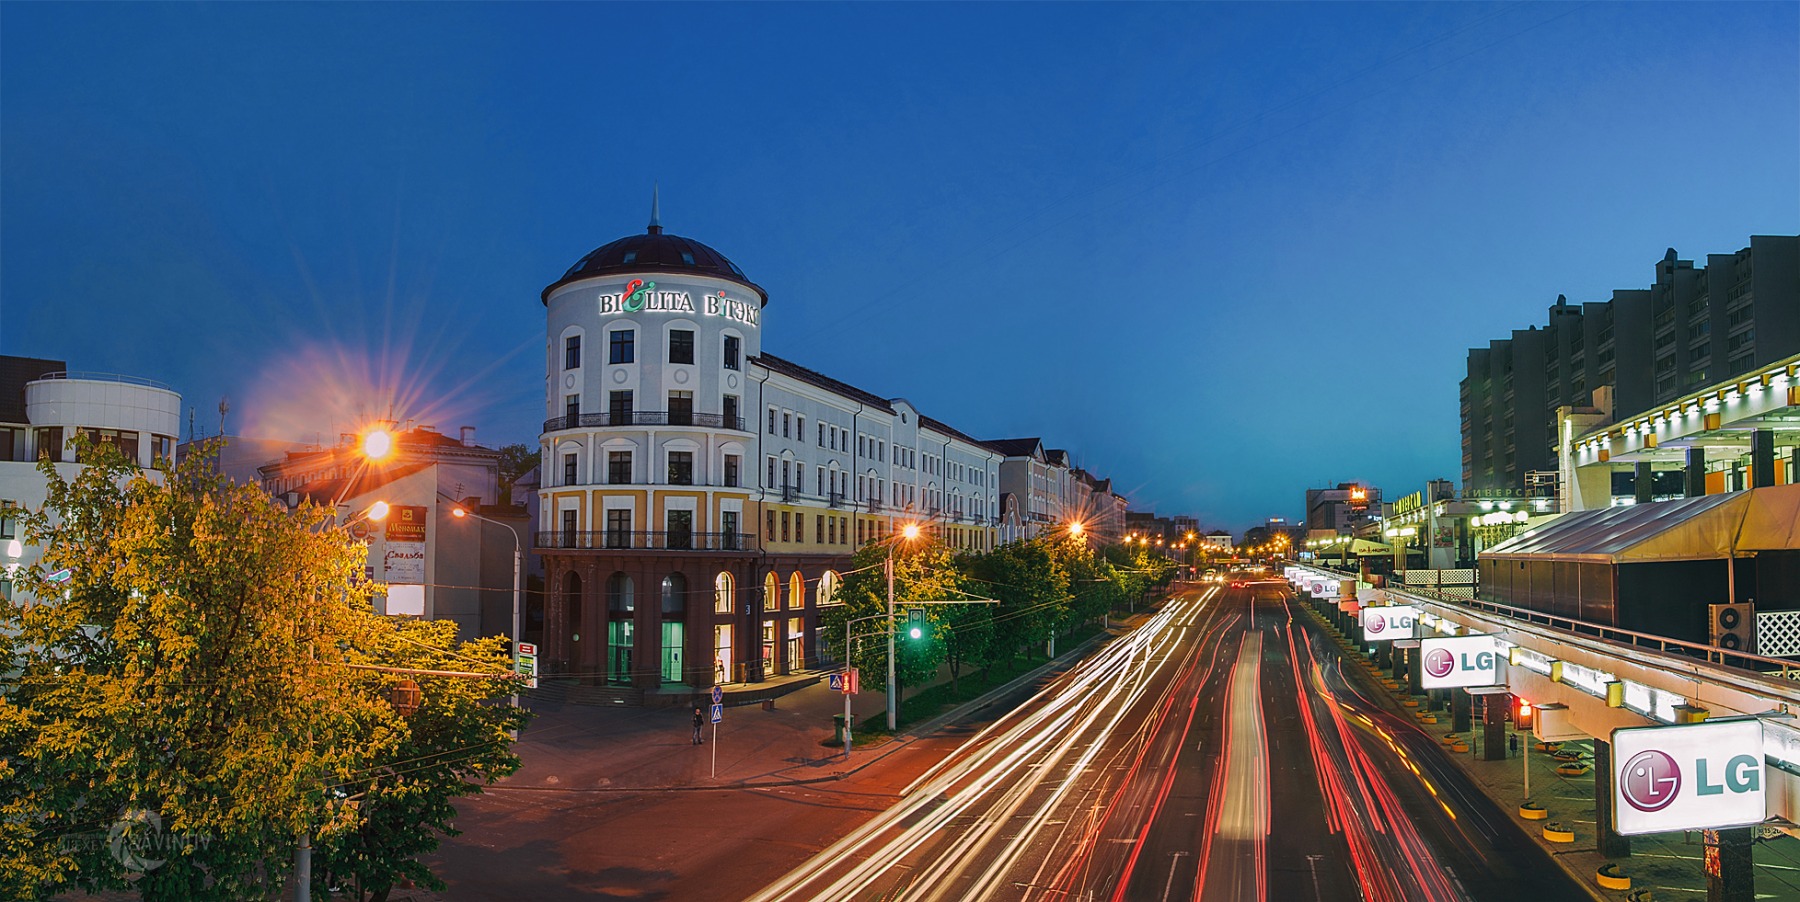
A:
(835, 499)
(790, 493)
(668, 540)
(644, 418)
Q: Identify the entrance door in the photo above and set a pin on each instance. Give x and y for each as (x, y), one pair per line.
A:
(674, 633)
(619, 644)
(796, 650)
(768, 648)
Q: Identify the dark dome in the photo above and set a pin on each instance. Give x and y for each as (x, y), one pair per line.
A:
(654, 251)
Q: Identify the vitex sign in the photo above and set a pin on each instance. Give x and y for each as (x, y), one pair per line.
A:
(1383, 623)
(1701, 776)
(1452, 662)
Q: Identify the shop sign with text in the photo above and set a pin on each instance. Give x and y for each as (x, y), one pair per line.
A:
(1383, 623)
(1702, 776)
(640, 296)
(1453, 662)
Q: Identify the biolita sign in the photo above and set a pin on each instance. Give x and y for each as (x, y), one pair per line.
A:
(642, 296)
(1702, 776)
(1388, 622)
(1453, 662)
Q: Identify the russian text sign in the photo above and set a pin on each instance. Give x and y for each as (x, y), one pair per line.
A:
(1701, 776)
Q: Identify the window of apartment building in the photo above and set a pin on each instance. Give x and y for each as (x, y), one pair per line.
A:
(771, 421)
(571, 472)
(799, 527)
(785, 531)
(731, 469)
(800, 427)
(1665, 364)
(819, 487)
(786, 473)
(1696, 378)
(572, 352)
(771, 525)
(1740, 316)
(618, 467)
(1741, 340)
(730, 412)
(12, 443)
(681, 346)
(622, 345)
(7, 529)
(1700, 329)
(618, 528)
(681, 408)
(1741, 363)
(831, 532)
(787, 425)
(680, 535)
(1699, 351)
(570, 522)
(819, 528)
(733, 348)
(728, 529)
(681, 468)
(162, 448)
(126, 442)
(821, 435)
(769, 483)
(618, 407)
(572, 409)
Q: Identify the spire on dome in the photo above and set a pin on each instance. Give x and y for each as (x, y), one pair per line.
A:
(655, 209)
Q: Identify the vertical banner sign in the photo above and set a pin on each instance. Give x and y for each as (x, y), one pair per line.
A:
(404, 559)
(1456, 661)
(1703, 776)
(1385, 623)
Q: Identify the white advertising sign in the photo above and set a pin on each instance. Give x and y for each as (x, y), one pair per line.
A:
(1455, 662)
(1702, 776)
(1384, 623)
(404, 563)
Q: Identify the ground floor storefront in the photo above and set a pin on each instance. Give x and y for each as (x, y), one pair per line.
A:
(654, 618)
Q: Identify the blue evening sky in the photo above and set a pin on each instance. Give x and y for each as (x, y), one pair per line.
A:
(1221, 252)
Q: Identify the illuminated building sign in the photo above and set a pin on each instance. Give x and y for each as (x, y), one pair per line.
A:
(1459, 661)
(1702, 776)
(1359, 496)
(639, 296)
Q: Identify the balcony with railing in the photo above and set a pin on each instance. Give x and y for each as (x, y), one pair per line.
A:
(835, 499)
(623, 540)
(644, 418)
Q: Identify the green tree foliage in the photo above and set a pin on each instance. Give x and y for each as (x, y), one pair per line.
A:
(515, 461)
(198, 680)
(923, 571)
(1032, 586)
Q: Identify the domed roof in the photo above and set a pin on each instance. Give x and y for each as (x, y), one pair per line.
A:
(654, 251)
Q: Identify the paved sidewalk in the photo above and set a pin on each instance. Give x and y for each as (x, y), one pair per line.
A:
(1670, 865)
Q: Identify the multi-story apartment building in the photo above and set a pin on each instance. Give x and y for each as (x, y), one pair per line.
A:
(700, 495)
(1691, 327)
(43, 407)
(1038, 483)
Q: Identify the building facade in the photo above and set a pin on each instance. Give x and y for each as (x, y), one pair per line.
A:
(43, 407)
(700, 496)
(1691, 327)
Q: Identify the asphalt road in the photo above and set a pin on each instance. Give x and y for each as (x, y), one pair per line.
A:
(1218, 752)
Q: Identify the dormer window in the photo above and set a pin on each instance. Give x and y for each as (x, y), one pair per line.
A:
(630, 257)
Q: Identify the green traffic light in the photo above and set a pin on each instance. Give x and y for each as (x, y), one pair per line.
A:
(916, 632)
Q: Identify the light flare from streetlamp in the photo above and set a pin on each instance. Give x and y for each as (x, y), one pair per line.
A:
(910, 531)
(377, 444)
(378, 510)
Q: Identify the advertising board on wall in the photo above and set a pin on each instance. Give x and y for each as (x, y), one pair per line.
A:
(1702, 776)
(1453, 662)
(1384, 623)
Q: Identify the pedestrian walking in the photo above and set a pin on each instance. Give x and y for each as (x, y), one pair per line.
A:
(698, 720)
(1512, 744)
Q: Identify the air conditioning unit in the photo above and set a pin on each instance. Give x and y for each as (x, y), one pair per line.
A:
(1732, 626)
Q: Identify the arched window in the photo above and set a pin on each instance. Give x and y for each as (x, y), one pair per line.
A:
(771, 591)
(796, 590)
(723, 590)
(828, 588)
(619, 595)
(674, 594)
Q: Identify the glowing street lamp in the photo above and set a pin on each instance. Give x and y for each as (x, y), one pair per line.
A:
(909, 532)
(377, 444)
(459, 513)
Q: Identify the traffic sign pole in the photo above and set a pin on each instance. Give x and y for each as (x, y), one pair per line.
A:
(846, 712)
(718, 714)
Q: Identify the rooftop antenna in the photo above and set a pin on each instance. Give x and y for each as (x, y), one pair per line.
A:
(655, 209)
(190, 422)
(224, 408)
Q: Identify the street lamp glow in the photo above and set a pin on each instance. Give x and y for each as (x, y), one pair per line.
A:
(377, 444)
(458, 513)
(1075, 528)
(378, 510)
(910, 531)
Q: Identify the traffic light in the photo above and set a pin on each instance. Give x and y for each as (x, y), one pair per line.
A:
(915, 623)
(1522, 720)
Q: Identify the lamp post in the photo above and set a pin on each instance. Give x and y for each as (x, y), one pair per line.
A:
(518, 553)
(910, 532)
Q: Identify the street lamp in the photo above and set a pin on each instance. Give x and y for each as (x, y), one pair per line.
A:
(909, 532)
(459, 513)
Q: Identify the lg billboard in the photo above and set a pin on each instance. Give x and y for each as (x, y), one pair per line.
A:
(1457, 661)
(1388, 622)
(1703, 776)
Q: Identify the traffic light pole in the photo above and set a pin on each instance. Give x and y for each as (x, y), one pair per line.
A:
(893, 706)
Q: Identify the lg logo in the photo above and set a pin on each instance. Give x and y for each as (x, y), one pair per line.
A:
(1376, 624)
(1652, 779)
(1439, 662)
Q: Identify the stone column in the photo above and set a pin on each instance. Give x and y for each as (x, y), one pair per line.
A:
(1459, 710)
(1696, 471)
(1399, 658)
(1493, 725)
(1608, 842)
(1643, 484)
(1434, 700)
(1762, 458)
(1730, 873)
(1415, 662)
